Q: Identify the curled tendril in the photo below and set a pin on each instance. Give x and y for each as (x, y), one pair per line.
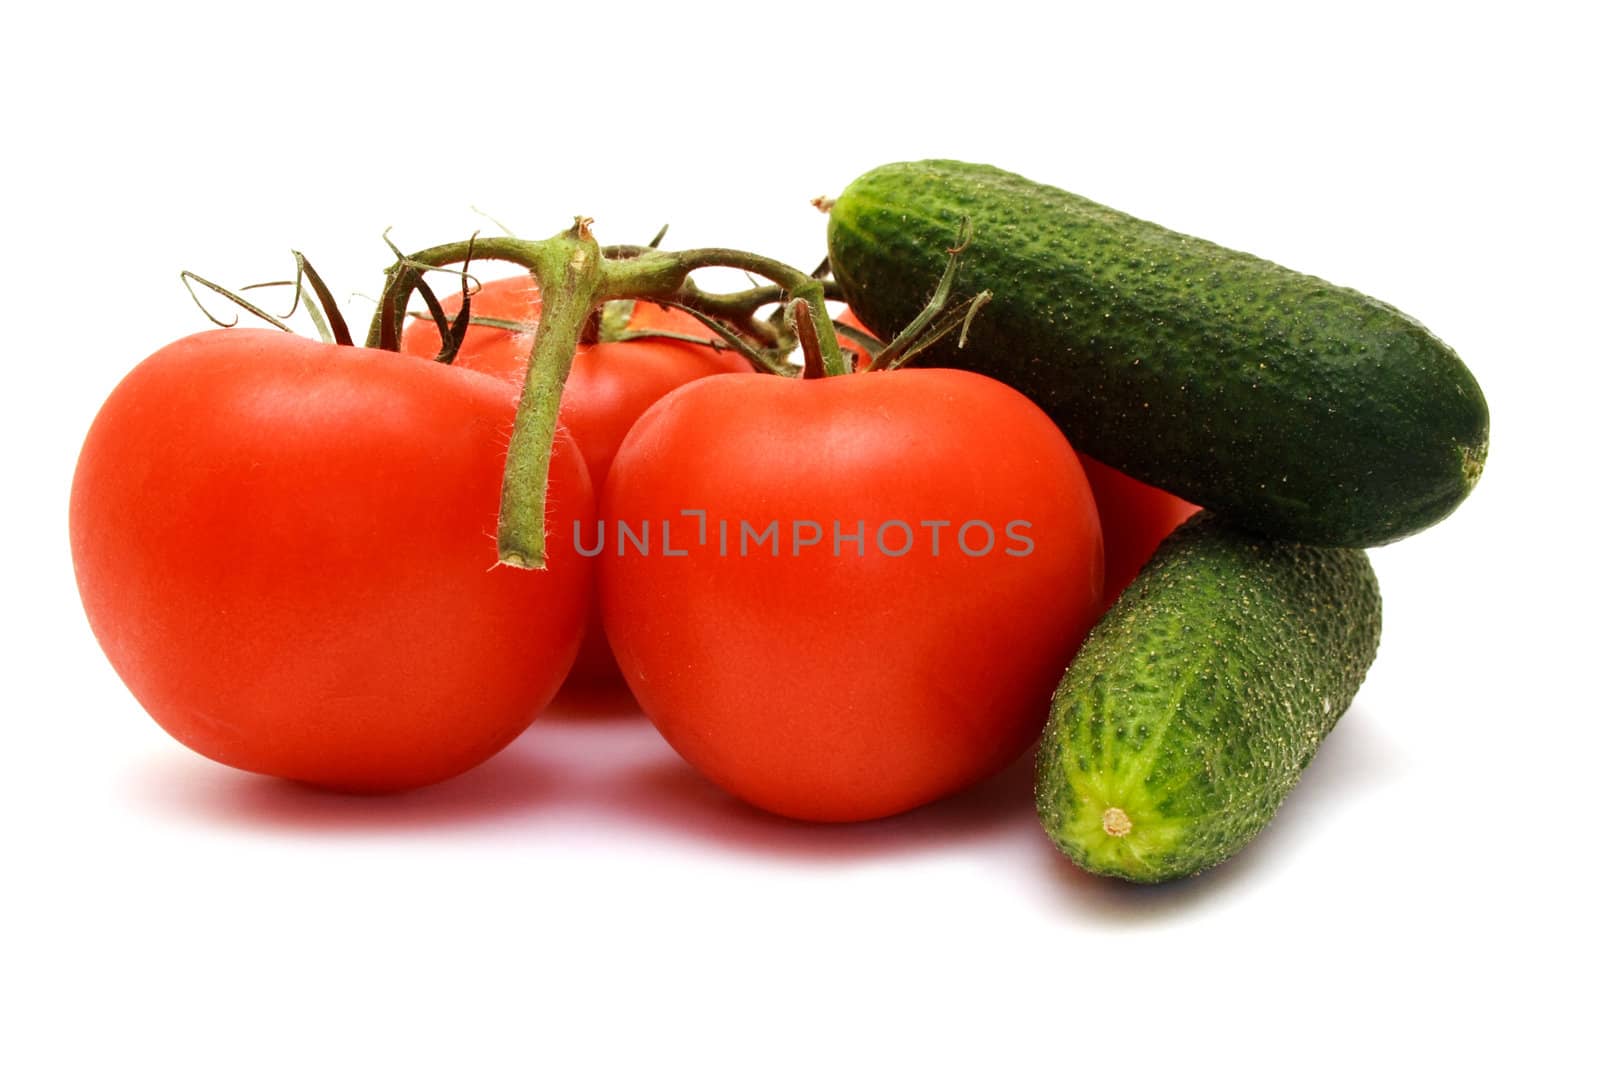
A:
(324, 311)
(190, 278)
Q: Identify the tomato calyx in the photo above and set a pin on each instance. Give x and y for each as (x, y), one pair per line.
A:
(869, 345)
(936, 320)
(577, 279)
(451, 331)
(324, 311)
(608, 326)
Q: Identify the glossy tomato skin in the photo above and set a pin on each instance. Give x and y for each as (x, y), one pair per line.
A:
(859, 685)
(286, 550)
(609, 387)
(1134, 518)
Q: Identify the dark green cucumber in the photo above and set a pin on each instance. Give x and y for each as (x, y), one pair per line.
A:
(1196, 702)
(1296, 408)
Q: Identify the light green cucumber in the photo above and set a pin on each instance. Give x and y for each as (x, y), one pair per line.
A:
(1196, 702)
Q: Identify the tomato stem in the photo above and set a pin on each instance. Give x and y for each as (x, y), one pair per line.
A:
(806, 329)
(794, 283)
(577, 278)
(570, 270)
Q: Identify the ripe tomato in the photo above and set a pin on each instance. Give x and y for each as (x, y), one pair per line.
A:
(833, 679)
(609, 387)
(1134, 517)
(287, 551)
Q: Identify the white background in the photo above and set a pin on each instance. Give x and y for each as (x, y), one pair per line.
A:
(1427, 891)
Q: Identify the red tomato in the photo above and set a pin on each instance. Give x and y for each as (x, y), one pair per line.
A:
(287, 551)
(858, 685)
(609, 388)
(1134, 518)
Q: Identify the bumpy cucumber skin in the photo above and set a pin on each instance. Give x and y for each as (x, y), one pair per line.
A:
(1296, 408)
(1197, 701)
